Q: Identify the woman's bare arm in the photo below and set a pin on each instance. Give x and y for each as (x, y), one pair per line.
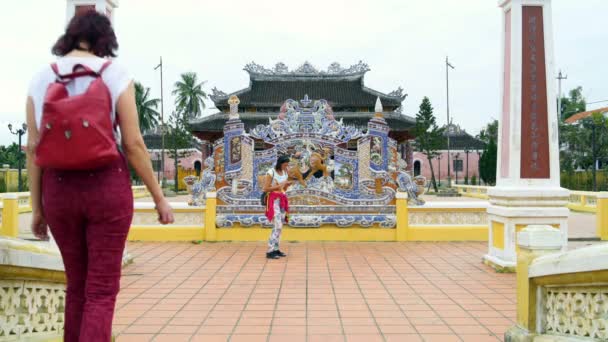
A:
(34, 173)
(137, 154)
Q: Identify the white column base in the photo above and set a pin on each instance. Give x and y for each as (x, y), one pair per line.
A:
(505, 221)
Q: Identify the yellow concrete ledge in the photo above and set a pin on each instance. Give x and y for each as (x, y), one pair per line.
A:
(27, 273)
(448, 233)
(330, 233)
(308, 234)
(166, 233)
(582, 208)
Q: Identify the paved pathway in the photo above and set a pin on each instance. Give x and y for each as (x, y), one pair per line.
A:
(320, 292)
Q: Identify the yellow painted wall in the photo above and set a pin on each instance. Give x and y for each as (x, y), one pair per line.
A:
(498, 235)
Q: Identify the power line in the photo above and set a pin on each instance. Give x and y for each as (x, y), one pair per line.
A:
(597, 102)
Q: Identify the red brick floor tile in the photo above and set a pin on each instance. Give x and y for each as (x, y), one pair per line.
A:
(161, 314)
(326, 338)
(134, 338)
(221, 321)
(460, 321)
(288, 329)
(180, 329)
(143, 329)
(479, 338)
(498, 330)
(215, 329)
(252, 329)
(210, 338)
(287, 337)
(364, 338)
(469, 329)
(403, 338)
(257, 314)
(173, 338)
(330, 313)
(433, 329)
(355, 314)
(324, 329)
(440, 338)
(397, 329)
(360, 329)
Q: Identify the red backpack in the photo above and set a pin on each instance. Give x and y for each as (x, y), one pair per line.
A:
(76, 132)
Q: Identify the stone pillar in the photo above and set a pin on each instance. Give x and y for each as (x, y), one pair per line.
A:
(10, 216)
(76, 7)
(601, 216)
(210, 217)
(403, 220)
(528, 184)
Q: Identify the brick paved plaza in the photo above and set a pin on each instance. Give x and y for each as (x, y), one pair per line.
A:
(320, 292)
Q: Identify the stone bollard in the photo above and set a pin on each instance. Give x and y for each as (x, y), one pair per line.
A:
(402, 216)
(10, 216)
(210, 215)
(601, 218)
(533, 241)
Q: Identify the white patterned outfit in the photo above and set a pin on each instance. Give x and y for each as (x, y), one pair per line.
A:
(279, 214)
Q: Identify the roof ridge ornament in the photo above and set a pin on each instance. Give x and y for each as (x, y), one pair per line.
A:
(307, 69)
(216, 94)
(396, 93)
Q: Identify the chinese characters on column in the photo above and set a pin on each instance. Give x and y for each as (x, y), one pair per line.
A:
(534, 124)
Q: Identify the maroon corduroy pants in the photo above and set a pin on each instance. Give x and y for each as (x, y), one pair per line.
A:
(89, 214)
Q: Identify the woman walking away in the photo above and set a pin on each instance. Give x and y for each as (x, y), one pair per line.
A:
(277, 205)
(79, 178)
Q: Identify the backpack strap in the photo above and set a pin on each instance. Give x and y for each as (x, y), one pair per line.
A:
(79, 70)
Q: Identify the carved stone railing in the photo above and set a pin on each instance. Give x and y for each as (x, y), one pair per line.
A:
(32, 291)
(562, 296)
(474, 191)
(585, 201)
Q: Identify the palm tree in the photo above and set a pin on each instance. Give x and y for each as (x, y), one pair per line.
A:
(146, 108)
(190, 95)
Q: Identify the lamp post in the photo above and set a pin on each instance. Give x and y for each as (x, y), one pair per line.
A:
(439, 172)
(447, 91)
(162, 122)
(467, 176)
(456, 159)
(19, 132)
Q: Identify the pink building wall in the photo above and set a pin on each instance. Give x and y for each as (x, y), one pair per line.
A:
(187, 162)
(425, 169)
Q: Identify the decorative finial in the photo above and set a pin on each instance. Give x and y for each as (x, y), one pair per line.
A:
(305, 101)
(234, 101)
(379, 108)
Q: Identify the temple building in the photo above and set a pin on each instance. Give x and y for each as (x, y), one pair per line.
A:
(343, 88)
(465, 151)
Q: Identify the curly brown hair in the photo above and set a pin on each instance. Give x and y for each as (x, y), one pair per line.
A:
(91, 27)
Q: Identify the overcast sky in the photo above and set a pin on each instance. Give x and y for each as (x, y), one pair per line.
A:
(405, 43)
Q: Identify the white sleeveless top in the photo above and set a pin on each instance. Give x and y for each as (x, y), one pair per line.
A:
(115, 77)
(276, 176)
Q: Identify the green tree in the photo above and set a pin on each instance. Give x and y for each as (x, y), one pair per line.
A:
(9, 155)
(146, 108)
(429, 137)
(488, 158)
(487, 163)
(489, 132)
(189, 95)
(573, 103)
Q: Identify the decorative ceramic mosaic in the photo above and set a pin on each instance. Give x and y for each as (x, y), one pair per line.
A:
(333, 165)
